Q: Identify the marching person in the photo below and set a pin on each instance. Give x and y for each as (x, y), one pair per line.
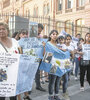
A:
(66, 76)
(37, 76)
(54, 80)
(24, 34)
(84, 67)
(7, 44)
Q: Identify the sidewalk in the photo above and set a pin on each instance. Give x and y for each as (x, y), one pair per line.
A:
(73, 89)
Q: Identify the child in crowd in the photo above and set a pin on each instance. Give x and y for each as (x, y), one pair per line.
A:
(61, 43)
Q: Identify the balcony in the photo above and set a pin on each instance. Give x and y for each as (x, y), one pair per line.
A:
(59, 12)
(80, 8)
(6, 3)
(68, 10)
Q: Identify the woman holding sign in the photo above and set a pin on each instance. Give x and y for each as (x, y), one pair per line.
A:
(7, 44)
(85, 61)
(54, 80)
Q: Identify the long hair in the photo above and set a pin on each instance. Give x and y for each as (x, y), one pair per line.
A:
(52, 33)
(85, 37)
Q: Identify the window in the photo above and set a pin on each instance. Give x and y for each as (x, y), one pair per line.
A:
(59, 26)
(48, 9)
(68, 27)
(35, 11)
(27, 13)
(44, 10)
(59, 5)
(69, 4)
(79, 24)
(81, 3)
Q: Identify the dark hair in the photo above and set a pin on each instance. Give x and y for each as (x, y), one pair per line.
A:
(52, 33)
(45, 36)
(14, 34)
(86, 35)
(68, 36)
(81, 39)
(78, 34)
(61, 37)
(23, 31)
(40, 26)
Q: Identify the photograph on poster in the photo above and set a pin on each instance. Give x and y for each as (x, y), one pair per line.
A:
(33, 29)
(47, 57)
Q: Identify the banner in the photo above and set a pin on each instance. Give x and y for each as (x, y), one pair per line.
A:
(8, 74)
(55, 61)
(17, 73)
(86, 51)
(32, 46)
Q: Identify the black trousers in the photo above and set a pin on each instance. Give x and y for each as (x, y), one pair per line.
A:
(84, 70)
(37, 76)
(11, 98)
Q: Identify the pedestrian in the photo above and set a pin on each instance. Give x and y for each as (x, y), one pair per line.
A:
(24, 34)
(7, 44)
(15, 35)
(37, 76)
(77, 56)
(66, 76)
(84, 66)
(54, 81)
(78, 36)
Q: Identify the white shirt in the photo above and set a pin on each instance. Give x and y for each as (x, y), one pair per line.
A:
(63, 46)
(13, 49)
(70, 48)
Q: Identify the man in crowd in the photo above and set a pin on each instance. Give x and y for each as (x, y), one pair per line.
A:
(37, 76)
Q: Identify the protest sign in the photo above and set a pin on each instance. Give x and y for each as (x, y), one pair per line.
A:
(32, 46)
(17, 73)
(8, 74)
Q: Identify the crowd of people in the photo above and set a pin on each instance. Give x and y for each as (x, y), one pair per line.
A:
(64, 43)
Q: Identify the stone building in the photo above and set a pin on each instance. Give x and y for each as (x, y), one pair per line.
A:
(73, 16)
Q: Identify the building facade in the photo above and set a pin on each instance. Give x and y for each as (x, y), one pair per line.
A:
(69, 15)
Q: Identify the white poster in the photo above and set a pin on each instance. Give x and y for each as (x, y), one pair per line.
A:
(8, 74)
(17, 73)
(86, 51)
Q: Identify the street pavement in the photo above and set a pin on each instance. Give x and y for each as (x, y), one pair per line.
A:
(73, 89)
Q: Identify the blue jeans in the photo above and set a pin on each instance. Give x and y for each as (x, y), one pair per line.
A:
(54, 83)
(11, 98)
(77, 66)
(37, 76)
(65, 82)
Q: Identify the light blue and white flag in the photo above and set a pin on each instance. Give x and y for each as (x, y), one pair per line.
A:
(55, 61)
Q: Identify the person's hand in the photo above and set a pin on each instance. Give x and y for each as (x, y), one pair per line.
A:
(82, 53)
(38, 36)
(43, 43)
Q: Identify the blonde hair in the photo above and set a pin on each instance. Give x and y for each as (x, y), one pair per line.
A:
(5, 26)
